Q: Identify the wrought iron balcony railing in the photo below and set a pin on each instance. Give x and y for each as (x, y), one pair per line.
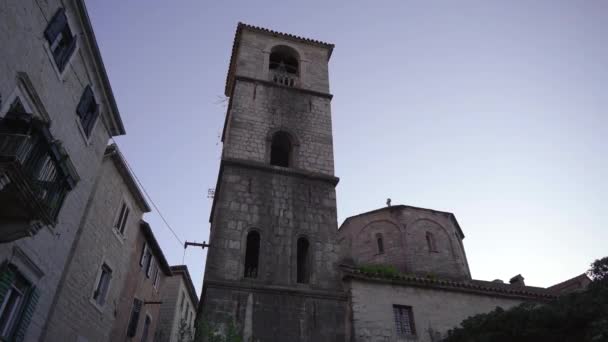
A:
(35, 173)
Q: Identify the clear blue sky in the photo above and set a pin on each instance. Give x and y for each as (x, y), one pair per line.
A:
(492, 110)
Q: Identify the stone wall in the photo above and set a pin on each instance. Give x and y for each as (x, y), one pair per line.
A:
(98, 243)
(254, 52)
(24, 50)
(403, 230)
(434, 311)
(138, 285)
(171, 311)
(257, 110)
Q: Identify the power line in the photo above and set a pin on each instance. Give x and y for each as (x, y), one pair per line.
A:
(149, 197)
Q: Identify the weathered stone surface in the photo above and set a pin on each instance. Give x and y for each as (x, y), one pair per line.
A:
(281, 204)
(404, 230)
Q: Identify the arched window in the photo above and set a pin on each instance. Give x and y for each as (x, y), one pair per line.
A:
(430, 242)
(380, 243)
(283, 65)
(252, 254)
(280, 149)
(284, 58)
(303, 259)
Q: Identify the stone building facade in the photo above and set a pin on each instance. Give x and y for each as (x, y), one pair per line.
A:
(178, 308)
(57, 113)
(429, 289)
(99, 262)
(271, 267)
(278, 267)
(138, 307)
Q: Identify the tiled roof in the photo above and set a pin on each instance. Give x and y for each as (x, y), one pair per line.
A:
(479, 286)
(237, 37)
(580, 280)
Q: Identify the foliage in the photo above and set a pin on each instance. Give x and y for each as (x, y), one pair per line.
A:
(599, 270)
(205, 332)
(580, 317)
(185, 332)
(381, 270)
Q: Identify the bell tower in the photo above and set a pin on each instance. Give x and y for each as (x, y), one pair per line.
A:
(272, 265)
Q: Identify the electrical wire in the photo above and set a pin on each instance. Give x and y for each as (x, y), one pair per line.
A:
(149, 197)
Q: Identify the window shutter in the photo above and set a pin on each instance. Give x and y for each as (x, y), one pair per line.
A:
(7, 276)
(26, 316)
(85, 100)
(143, 255)
(55, 26)
(66, 55)
(132, 329)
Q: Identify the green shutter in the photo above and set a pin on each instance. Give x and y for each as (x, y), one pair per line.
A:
(26, 315)
(7, 276)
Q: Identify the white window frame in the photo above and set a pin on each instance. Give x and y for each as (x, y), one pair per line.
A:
(121, 236)
(68, 63)
(143, 328)
(156, 277)
(16, 309)
(92, 299)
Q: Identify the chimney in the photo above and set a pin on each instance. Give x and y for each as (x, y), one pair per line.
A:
(518, 280)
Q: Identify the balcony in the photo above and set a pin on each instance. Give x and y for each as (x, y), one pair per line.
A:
(283, 74)
(35, 176)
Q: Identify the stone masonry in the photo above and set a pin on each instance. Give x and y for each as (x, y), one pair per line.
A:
(281, 204)
(28, 69)
(97, 243)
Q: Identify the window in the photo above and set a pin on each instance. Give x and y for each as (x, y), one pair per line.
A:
(252, 254)
(132, 328)
(61, 41)
(430, 242)
(146, 258)
(380, 243)
(303, 261)
(13, 304)
(150, 267)
(101, 290)
(280, 149)
(147, 322)
(181, 306)
(87, 111)
(121, 220)
(404, 320)
(156, 277)
(283, 65)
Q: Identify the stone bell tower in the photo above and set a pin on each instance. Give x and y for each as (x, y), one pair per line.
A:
(272, 268)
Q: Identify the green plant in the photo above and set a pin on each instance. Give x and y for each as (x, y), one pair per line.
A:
(381, 270)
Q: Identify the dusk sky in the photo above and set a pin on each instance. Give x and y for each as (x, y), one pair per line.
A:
(492, 110)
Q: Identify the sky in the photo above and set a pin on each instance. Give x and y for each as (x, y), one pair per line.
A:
(492, 110)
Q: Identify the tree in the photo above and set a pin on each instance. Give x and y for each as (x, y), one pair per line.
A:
(576, 317)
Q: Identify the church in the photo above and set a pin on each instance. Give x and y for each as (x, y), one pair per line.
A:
(278, 267)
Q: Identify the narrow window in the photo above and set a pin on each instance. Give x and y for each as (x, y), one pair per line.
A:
(13, 303)
(101, 290)
(303, 261)
(87, 111)
(430, 242)
(151, 266)
(380, 243)
(132, 328)
(147, 322)
(181, 306)
(252, 254)
(404, 320)
(156, 277)
(121, 220)
(280, 150)
(61, 41)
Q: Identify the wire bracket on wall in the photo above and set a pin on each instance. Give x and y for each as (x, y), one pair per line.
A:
(196, 244)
